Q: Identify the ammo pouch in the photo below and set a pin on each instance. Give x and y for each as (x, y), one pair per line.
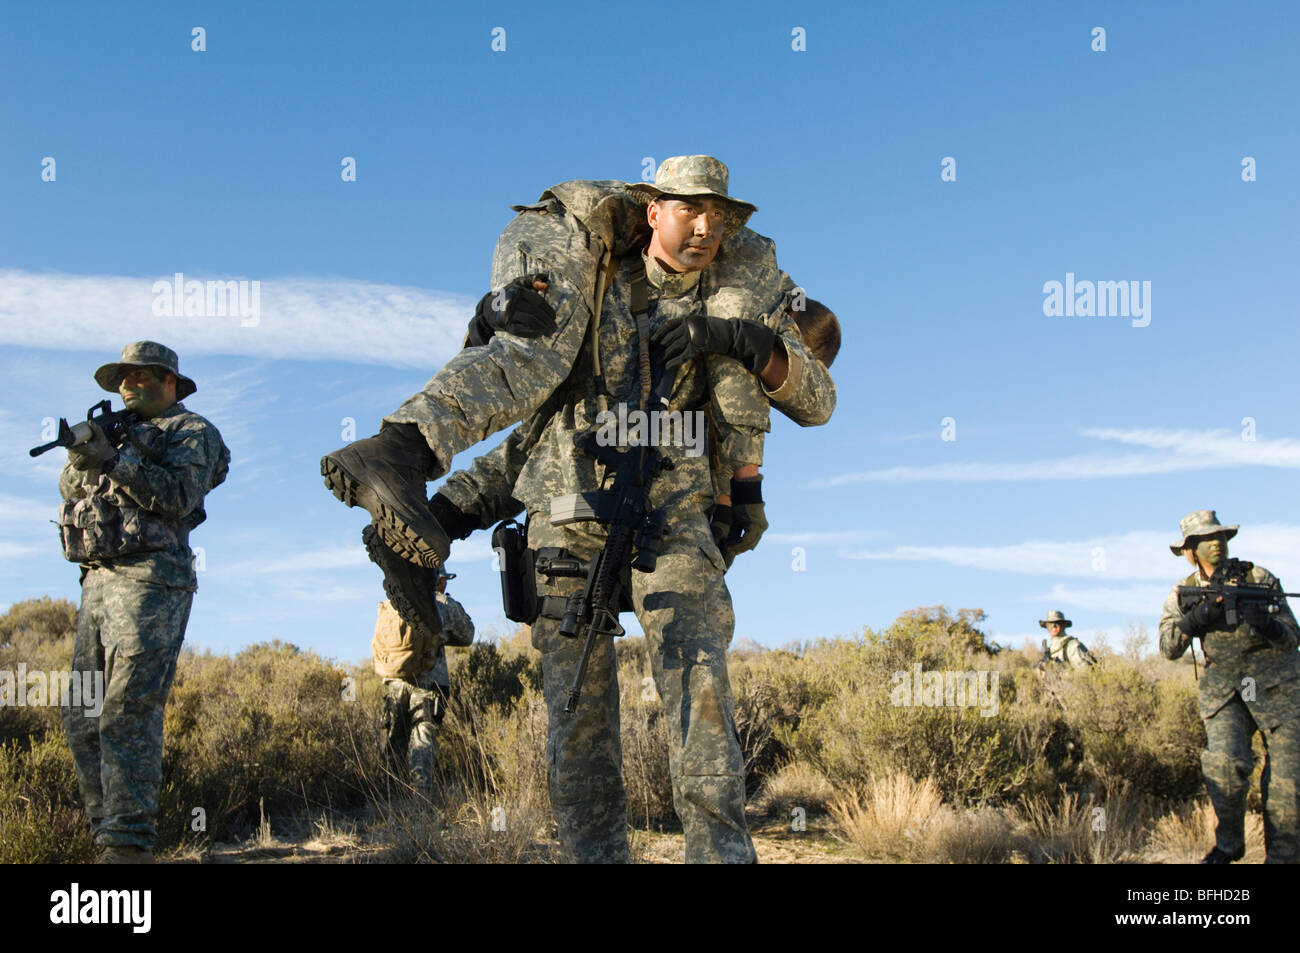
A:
(518, 580)
(106, 524)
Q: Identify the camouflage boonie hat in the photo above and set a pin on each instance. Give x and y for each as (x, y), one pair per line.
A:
(1200, 523)
(695, 175)
(1055, 616)
(145, 354)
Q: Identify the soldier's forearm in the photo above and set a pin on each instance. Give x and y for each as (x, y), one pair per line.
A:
(778, 367)
(170, 493)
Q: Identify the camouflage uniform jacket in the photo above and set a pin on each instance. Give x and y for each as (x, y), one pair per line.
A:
(457, 629)
(1233, 655)
(743, 275)
(136, 519)
(1067, 650)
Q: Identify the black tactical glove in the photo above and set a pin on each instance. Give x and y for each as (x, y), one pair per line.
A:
(95, 453)
(749, 517)
(1263, 621)
(517, 308)
(684, 339)
(720, 524)
(1201, 618)
(456, 523)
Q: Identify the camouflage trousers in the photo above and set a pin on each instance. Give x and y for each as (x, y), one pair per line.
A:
(132, 632)
(1227, 763)
(685, 610)
(412, 713)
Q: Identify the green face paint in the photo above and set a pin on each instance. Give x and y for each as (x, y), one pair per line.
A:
(146, 392)
(1212, 550)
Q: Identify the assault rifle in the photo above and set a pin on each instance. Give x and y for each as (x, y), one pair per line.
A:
(1230, 587)
(634, 534)
(114, 423)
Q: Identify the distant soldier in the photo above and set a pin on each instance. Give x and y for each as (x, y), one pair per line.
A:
(126, 517)
(1251, 682)
(1064, 650)
(417, 685)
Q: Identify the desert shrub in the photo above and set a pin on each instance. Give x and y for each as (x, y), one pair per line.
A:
(1134, 727)
(40, 620)
(41, 816)
(857, 733)
(488, 678)
(35, 635)
(773, 690)
(271, 730)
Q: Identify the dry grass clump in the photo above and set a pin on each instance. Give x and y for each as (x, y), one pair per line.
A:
(1184, 835)
(794, 785)
(975, 836)
(887, 818)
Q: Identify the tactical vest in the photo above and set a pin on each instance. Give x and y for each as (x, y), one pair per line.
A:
(106, 523)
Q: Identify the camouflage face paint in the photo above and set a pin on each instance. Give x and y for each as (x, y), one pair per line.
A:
(146, 391)
(1211, 550)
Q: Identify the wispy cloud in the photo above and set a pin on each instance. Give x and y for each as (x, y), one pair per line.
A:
(1177, 451)
(1129, 556)
(304, 562)
(1140, 601)
(301, 318)
(824, 537)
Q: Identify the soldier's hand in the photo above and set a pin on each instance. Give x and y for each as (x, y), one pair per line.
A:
(1261, 620)
(720, 525)
(455, 522)
(684, 339)
(1203, 617)
(749, 517)
(94, 453)
(518, 309)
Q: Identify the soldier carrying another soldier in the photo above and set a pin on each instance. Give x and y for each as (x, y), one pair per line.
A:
(614, 302)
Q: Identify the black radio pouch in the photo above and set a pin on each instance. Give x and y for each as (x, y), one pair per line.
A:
(518, 579)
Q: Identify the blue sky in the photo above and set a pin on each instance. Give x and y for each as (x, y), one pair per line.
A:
(1080, 441)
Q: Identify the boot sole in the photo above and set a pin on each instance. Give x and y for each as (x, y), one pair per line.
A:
(395, 592)
(394, 531)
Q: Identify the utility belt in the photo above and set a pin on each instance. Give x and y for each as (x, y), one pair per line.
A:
(520, 566)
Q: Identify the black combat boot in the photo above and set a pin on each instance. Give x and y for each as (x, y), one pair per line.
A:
(386, 474)
(410, 588)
